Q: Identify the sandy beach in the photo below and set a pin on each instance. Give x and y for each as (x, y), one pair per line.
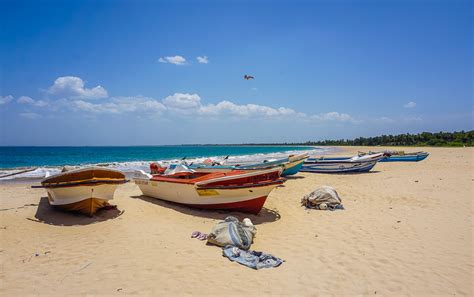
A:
(407, 229)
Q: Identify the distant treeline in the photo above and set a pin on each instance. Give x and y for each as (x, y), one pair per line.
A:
(461, 138)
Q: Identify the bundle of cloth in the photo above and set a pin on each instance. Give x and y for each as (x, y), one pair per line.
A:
(232, 232)
(323, 198)
(236, 238)
(252, 259)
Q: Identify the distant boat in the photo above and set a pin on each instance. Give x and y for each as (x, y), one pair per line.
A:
(341, 164)
(83, 190)
(238, 190)
(400, 156)
(291, 165)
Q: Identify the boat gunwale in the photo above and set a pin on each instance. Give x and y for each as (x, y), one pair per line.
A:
(279, 181)
(91, 182)
(218, 176)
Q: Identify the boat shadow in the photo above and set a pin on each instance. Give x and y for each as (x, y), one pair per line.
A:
(50, 215)
(264, 216)
(295, 177)
(356, 173)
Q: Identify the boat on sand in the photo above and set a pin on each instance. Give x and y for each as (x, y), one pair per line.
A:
(401, 156)
(238, 190)
(342, 164)
(291, 165)
(83, 190)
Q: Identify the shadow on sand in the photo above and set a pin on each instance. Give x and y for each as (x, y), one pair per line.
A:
(294, 177)
(357, 173)
(264, 216)
(53, 216)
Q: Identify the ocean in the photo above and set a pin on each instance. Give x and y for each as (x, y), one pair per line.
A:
(131, 158)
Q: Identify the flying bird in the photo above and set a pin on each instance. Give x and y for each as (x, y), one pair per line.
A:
(247, 77)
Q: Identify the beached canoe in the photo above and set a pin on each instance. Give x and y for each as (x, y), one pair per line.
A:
(341, 165)
(291, 165)
(360, 157)
(83, 190)
(238, 190)
(405, 157)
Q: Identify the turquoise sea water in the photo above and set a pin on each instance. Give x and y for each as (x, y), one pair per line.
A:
(129, 158)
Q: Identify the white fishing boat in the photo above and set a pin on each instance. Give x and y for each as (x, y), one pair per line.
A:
(341, 164)
(83, 190)
(239, 190)
(291, 165)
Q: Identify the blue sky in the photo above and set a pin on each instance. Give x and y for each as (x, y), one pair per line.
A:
(163, 72)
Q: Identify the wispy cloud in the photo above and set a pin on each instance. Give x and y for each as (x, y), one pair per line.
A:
(334, 116)
(225, 107)
(72, 87)
(385, 120)
(31, 101)
(176, 60)
(5, 99)
(30, 115)
(182, 101)
(410, 104)
(119, 105)
(202, 59)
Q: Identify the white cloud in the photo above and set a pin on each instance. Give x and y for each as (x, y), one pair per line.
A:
(185, 104)
(30, 115)
(246, 110)
(72, 87)
(119, 105)
(5, 99)
(30, 101)
(41, 103)
(410, 104)
(183, 101)
(176, 60)
(202, 59)
(334, 116)
(25, 100)
(191, 105)
(385, 120)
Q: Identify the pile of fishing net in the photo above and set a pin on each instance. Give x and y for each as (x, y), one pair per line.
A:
(323, 198)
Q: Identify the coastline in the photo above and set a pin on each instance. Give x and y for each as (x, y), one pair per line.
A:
(406, 230)
(129, 162)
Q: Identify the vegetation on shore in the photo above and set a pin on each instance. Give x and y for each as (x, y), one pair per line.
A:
(460, 138)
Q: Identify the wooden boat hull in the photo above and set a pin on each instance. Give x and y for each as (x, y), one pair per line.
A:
(83, 199)
(87, 206)
(234, 192)
(83, 190)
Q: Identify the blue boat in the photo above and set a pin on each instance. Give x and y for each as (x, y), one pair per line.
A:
(405, 157)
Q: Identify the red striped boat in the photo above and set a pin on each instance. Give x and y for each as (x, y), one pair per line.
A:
(235, 190)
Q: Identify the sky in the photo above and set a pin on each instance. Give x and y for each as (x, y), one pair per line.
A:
(172, 72)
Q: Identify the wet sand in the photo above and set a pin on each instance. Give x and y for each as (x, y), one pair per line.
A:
(407, 229)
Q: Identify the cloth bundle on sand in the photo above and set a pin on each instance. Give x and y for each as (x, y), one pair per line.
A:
(252, 259)
(232, 232)
(323, 198)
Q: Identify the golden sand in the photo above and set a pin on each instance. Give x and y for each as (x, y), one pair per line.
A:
(407, 230)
